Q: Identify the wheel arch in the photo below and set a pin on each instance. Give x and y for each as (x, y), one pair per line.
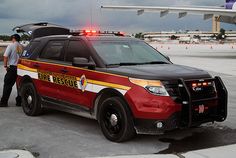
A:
(104, 94)
(25, 79)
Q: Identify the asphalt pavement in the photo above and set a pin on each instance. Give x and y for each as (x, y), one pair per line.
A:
(61, 135)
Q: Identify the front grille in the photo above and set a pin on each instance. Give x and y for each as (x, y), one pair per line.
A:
(204, 92)
(172, 89)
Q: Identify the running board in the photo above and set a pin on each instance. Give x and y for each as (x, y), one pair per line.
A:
(59, 105)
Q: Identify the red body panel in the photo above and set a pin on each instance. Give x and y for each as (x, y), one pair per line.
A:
(148, 106)
(142, 103)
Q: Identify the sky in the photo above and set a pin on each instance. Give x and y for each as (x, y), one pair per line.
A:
(79, 14)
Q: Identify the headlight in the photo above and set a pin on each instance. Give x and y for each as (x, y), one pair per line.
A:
(157, 90)
(153, 86)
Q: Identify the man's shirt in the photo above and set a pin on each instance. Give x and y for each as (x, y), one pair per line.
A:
(13, 52)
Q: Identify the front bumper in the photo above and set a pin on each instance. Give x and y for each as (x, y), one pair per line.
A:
(188, 116)
(143, 126)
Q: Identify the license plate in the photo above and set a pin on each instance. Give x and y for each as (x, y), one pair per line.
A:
(201, 109)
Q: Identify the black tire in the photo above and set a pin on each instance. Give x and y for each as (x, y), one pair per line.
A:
(116, 120)
(31, 101)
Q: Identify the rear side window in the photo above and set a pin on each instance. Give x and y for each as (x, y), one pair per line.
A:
(30, 49)
(53, 50)
(76, 49)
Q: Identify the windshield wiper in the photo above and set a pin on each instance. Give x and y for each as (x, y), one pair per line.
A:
(130, 64)
(157, 62)
(123, 64)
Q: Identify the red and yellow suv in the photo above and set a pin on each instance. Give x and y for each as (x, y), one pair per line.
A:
(122, 82)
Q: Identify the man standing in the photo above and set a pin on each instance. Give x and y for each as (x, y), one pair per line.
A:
(11, 57)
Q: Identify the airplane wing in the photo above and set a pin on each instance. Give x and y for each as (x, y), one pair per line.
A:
(182, 11)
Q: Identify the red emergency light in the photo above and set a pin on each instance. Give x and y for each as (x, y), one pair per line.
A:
(90, 32)
(96, 33)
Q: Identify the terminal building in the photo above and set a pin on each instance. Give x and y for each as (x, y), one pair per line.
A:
(188, 36)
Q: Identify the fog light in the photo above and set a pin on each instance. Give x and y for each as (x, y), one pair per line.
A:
(159, 125)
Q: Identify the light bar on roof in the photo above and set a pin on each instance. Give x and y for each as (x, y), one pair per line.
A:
(97, 33)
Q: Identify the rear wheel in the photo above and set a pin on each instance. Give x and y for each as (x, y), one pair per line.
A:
(31, 101)
(116, 120)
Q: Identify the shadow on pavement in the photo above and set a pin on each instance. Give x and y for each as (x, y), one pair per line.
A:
(207, 137)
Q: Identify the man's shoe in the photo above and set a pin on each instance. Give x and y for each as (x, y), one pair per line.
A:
(3, 105)
(18, 101)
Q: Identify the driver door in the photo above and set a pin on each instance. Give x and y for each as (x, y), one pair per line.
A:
(76, 94)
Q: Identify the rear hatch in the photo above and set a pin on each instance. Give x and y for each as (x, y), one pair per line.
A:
(36, 30)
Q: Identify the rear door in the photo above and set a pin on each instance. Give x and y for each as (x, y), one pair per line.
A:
(49, 64)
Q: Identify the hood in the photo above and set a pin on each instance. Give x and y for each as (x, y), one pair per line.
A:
(160, 72)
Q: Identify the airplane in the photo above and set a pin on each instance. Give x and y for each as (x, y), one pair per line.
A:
(226, 13)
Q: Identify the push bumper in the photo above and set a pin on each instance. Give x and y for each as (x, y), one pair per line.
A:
(188, 117)
(218, 112)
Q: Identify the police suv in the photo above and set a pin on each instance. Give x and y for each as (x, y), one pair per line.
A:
(122, 82)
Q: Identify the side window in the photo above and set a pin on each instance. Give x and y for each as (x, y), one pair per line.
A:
(76, 49)
(30, 49)
(53, 50)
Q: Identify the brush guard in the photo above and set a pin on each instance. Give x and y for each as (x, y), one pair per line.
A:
(188, 103)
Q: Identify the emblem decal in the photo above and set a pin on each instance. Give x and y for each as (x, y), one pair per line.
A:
(197, 89)
(83, 83)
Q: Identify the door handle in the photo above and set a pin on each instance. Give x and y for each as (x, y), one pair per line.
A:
(36, 65)
(64, 71)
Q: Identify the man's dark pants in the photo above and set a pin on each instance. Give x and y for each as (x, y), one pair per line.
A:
(9, 81)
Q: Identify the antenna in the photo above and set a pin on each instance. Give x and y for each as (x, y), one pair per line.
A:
(91, 14)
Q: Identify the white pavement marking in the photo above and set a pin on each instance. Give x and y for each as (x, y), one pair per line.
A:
(15, 154)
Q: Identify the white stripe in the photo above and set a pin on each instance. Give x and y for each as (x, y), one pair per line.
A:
(78, 83)
(94, 88)
(90, 87)
(121, 91)
(51, 78)
(97, 88)
(33, 75)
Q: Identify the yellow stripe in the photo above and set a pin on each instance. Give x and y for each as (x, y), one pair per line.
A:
(75, 68)
(19, 66)
(112, 85)
(107, 84)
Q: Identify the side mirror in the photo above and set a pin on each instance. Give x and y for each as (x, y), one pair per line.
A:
(83, 62)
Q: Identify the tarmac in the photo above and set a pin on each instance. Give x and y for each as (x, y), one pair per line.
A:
(219, 152)
(61, 135)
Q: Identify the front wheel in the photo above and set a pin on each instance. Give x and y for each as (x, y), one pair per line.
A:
(116, 120)
(31, 102)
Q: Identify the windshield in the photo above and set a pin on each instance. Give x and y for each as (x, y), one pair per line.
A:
(128, 53)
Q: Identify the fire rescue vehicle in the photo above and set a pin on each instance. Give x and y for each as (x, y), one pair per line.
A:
(122, 82)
